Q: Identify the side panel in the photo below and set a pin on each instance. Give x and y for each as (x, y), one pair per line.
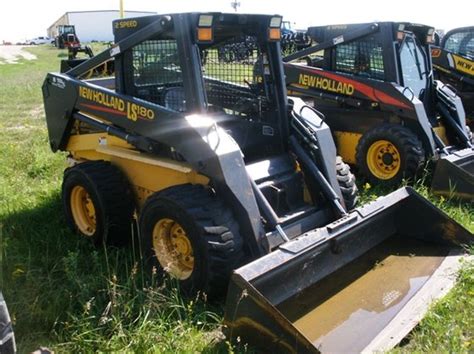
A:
(314, 82)
(141, 169)
(347, 145)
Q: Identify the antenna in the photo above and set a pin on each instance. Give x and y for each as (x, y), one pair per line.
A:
(235, 4)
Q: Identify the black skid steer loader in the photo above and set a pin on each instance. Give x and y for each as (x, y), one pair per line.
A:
(224, 171)
(374, 84)
(453, 63)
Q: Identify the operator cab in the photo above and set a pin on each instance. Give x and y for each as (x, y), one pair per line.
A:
(226, 65)
(406, 62)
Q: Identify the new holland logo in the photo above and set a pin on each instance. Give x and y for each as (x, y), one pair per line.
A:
(326, 84)
(464, 65)
(117, 105)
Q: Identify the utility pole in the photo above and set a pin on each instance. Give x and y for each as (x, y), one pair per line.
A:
(235, 4)
(121, 9)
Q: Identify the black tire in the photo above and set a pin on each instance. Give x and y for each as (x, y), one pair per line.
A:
(217, 247)
(347, 183)
(111, 198)
(411, 155)
(7, 337)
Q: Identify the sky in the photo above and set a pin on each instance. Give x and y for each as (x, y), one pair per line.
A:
(22, 19)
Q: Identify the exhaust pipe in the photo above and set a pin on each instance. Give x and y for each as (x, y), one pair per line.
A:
(340, 287)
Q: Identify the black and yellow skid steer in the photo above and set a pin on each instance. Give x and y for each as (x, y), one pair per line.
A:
(453, 63)
(225, 171)
(374, 84)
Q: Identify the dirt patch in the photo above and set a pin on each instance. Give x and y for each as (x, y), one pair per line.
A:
(10, 54)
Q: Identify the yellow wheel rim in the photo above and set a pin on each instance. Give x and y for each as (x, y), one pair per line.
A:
(383, 159)
(173, 248)
(83, 211)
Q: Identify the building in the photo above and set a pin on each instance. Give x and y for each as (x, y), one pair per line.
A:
(93, 25)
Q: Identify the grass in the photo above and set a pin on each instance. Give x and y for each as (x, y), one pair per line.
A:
(67, 295)
(449, 326)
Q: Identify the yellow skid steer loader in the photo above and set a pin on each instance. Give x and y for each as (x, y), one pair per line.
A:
(225, 172)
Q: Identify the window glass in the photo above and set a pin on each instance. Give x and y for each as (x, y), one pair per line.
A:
(413, 66)
(361, 58)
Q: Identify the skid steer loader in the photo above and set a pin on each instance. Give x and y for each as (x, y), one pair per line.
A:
(374, 84)
(224, 171)
(453, 63)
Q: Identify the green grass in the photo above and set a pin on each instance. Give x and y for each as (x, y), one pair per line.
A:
(449, 326)
(61, 291)
(67, 295)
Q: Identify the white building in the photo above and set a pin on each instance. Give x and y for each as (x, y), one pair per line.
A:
(93, 25)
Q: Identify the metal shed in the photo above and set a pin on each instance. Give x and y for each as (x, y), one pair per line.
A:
(92, 25)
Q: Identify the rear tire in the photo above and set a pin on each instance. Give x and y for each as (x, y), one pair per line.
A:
(97, 202)
(347, 183)
(389, 153)
(187, 232)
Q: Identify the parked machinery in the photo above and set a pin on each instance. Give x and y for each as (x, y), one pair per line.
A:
(223, 170)
(453, 63)
(374, 84)
(66, 37)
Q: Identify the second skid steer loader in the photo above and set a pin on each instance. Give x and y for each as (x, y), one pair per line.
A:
(453, 63)
(374, 84)
(224, 171)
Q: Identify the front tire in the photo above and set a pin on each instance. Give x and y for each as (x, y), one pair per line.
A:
(389, 153)
(97, 202)
(347, 184)
(187, 232)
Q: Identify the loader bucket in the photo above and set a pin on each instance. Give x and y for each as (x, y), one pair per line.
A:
(454, 175)
(358, 284)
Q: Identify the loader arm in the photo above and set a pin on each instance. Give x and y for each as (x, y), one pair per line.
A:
(351, 36)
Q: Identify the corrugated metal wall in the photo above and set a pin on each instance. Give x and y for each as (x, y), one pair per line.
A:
(92, 25)
(52, 30)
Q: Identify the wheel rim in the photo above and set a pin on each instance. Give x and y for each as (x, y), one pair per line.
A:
(383, 159)
(173, 248)
(83, 211)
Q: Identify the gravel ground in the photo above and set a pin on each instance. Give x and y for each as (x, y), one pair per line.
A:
(12, 53)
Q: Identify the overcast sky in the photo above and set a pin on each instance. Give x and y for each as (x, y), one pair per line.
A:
(21, 19)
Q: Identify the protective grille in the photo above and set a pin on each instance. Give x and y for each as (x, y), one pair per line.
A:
(462, 43)
(361, 58)
(233, 77)
(293, 42)
(157, 74)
